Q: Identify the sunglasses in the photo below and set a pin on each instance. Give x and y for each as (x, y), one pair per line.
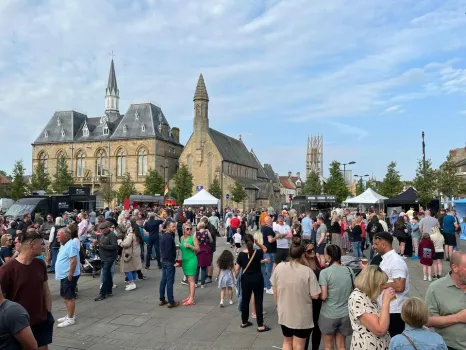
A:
(309, 251)
(189, 228)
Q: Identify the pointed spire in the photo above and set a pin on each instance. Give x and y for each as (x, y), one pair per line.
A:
(112, 82)
(201, 91)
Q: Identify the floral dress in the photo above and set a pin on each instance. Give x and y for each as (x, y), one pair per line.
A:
(359, 304)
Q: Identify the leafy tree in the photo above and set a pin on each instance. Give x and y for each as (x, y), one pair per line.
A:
(360, 186)
(335, 184)
(391, 185)
(127, 188)
(183, 185)
(215, 189)
(62, 179)
(373, 184)
(18, 186)
(40, 179)
(238, 194)
(107, 193)
(449, 184)
(312, 185)
(154, 183)
(5, 187)
(425, 182)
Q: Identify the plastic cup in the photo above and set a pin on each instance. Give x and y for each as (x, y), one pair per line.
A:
(364, 261)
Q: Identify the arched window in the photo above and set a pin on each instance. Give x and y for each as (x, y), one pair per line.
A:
(121, 163)
(190, 163)
(209, 168)
(60, 155)
(142, 162)
(80, 164)
(43, 160)
(100, 163)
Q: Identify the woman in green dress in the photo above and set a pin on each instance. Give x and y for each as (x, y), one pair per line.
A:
(189, 246)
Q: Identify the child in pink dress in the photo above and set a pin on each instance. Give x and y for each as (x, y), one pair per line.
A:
(426, 252)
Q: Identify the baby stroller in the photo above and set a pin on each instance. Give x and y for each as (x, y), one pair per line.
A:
(92, 263)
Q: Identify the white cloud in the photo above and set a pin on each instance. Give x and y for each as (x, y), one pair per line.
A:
(394, 109)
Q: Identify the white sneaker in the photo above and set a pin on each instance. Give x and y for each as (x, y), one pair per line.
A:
(221, 303)
(67, 322)
(430, 279)
(231, 302)
(62, 319)
(269, 291)
(425, 278)
(131, 286)
(114, 286)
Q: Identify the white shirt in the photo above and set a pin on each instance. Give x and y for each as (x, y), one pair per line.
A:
(82, 228)
(282, 243)
(237, 237)
(395, 267)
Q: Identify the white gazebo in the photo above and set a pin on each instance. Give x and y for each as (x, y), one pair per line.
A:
(368, 197)
(203, 197)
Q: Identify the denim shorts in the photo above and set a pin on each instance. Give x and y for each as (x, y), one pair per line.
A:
(341, 325)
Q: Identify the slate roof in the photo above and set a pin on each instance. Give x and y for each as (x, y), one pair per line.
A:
(270, 173)
(260, 170)
(246, 182)
(112, 82)
(68, 121)
(232, 150)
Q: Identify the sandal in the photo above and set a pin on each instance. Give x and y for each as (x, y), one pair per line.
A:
(189, 303)
(266, 329)
(247, 324)
(185, 300)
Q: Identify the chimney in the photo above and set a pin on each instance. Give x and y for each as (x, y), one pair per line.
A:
(298, 175)
(289, 174)
(176, 134)
(164, 130)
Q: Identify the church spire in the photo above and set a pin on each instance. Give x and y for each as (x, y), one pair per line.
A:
(112, 94)
(201, 91)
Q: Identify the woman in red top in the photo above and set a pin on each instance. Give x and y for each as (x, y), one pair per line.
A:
(427, 252)
(345, 243)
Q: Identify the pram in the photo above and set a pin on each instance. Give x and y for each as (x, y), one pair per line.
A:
(92, 263)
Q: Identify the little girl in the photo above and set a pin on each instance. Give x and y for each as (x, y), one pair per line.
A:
(237, 238)
(438, 240)
(427, 253)
(226, 275)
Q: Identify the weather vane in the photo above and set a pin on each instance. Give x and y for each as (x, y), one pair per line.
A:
(113, 55)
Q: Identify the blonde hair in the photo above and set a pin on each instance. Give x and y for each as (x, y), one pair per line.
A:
(4, 239)
(369, 281)
(201, 225)
(414, 312)
(59, 221)
(436, 231)
(186, 224)
(258, 237)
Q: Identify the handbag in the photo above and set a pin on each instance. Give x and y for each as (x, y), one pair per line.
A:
(127, 257)
(250, 261)
(410, 341)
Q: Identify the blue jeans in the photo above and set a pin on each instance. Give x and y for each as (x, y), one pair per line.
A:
(54, 253)
(268, 269)
(203, 271)
(131, 276)
(153, 243)
(102, 273)
(107, 283)
(167, 281)
(251, 223)
(357, 252)
(372, 253)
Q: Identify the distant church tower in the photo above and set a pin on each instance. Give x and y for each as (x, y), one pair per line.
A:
(112, 95)
(201, 117)
(315, 155)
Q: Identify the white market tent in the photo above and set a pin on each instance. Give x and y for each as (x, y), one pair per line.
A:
(203, 197)
(369, 196)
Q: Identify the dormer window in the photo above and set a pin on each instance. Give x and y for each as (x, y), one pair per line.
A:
(143, 127)
(46, 133)
(85, 130)
(59, 121)
(106, 130)
(125, 128)
(160, 117)
(136, 115)
(160, 127)
(63, 133)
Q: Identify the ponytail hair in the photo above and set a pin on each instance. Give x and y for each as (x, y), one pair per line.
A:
(334, 252)
(249, 240)
(296, 249)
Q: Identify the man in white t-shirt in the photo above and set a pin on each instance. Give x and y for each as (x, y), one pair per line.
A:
(82, 227)
(398, 279)
(283, 236)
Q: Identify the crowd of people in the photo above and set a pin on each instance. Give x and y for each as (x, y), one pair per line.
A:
(294, 257)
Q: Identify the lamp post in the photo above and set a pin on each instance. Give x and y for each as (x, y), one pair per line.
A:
(344, 169)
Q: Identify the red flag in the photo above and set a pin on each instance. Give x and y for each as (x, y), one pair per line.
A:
(165, 192)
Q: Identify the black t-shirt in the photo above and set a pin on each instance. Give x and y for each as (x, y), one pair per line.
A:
(255, 266)
(5, 252)
(373, 228)
(356, 233)
(13, 319)
(266, 232)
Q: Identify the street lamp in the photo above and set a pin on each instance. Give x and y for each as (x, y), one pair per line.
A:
(344, 168)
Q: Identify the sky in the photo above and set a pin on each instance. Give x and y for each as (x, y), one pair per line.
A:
(369, 76)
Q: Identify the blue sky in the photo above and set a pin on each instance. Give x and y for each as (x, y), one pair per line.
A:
(368, 75)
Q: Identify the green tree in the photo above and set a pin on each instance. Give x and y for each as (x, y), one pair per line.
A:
(154, 183)
(449, 183)
(335, 184)
(391, 185)
(5, 188)
(425, 182)
(215, 189)
(360, 186)
(18, 186)
(40, 179)
(62, 179)
(238, 194)
(373, 184)
(107, 193)
(312, 185)
(127, 188)
(183, 185)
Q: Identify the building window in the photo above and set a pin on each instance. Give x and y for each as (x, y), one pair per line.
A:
(142, 162)
(60, 154)
(59, 121)
(190, 163)
(121, 163)
(136, 115)
(43, 159)
(80, 164)
(143, 127)
(125, 128)
(63, 133)
(85, 130)
(106, 130)
(46, 133)
(100, 163)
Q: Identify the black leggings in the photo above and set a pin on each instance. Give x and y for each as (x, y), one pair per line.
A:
(252, 284)
(316, 333)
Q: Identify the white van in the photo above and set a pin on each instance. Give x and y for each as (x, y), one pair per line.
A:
(5, 204)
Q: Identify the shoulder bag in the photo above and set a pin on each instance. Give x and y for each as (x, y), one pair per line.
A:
(351, 275)
(127, 257)
(410, 341)
(249, 263)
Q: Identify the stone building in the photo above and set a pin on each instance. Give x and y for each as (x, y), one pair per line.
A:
(459, 157)
(290, 186)
(103, 149)
(210, 154)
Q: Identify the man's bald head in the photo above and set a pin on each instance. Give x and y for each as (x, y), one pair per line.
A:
(268, 220)
(458, 259)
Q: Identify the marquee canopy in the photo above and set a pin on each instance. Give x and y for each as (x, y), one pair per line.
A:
(203, 197)
(369, 196)
(407, 197)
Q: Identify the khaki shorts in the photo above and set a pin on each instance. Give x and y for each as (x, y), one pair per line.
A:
(335, 325)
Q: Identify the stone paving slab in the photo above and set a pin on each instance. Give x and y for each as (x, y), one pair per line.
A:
(133, 320)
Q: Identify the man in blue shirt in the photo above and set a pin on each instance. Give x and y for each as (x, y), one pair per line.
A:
(67, 271)
(450, 225)
(306, 224)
